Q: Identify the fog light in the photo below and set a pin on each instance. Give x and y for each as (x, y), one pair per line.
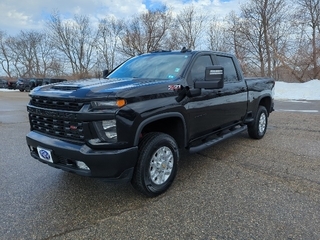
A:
(82, 165)
(94, 141)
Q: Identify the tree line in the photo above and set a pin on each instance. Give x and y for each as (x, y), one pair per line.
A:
(275, 38)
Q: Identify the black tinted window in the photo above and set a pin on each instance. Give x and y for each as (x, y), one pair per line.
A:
(230, 73)
(157, 66)
(199, 67)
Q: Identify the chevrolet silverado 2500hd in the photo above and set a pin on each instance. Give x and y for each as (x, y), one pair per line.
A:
(132, 124)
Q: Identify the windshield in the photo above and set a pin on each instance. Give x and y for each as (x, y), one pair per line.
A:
(158, 66)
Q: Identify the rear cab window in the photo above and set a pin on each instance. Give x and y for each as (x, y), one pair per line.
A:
(230, 72)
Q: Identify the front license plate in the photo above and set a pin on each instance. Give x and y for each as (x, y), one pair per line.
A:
(45, 154)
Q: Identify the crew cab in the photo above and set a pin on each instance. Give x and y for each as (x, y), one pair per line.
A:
(132, 124)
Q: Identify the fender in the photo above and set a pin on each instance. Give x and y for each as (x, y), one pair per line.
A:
(159, 117)
(265, 100)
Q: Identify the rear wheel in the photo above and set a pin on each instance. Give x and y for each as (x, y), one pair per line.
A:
(157, 164)
(258, 128)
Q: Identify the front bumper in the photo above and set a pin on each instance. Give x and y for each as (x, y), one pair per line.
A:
(109, 165)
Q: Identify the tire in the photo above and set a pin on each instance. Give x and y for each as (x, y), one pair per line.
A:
(21, 90)
(157, 164)
(258, 128)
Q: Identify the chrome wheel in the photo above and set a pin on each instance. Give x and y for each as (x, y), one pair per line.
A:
(157, 164)
(161, 165)
(258, 127)
(262, 122)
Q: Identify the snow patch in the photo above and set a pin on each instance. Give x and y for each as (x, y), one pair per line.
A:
(8, 90)
(298, 91)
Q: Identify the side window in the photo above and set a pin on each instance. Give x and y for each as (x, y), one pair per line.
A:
(46, 81)
(230, 73)
(199, 66)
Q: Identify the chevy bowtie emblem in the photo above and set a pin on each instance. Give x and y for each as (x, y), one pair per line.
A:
(73, 127)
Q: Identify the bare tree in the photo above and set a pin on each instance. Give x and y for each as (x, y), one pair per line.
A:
(6, 57)
(238, 45)
(21, 53)
(29, 54)
(218, 36)
(27, 47)
(108, 42)
(76, 39)
(190, 24)
(259, 32)
(309, 16)
(265, 37)
(247, 42)
(296, 62)
(146, 32)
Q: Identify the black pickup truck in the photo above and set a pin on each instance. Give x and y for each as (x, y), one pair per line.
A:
(132, 124)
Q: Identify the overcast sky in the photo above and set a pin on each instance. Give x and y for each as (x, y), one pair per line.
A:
(17, 15)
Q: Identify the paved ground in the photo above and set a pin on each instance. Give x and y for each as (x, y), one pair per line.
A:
(238, 189)
(301, 106)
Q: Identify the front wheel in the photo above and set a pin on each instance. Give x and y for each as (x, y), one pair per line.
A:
(157, 164)
(258, 128)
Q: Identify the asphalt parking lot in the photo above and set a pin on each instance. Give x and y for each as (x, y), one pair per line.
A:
(238, 189)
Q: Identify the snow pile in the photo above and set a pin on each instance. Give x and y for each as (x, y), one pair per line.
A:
(298, 91)
(7, 90)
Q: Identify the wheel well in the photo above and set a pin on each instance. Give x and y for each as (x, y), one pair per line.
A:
(172, 126)
(266, 102)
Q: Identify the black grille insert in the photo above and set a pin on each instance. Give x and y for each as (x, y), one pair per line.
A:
(60, 128)
(60, 104)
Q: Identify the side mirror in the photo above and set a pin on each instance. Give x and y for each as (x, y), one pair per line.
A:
(194, 92)
(186, 91)
(105, 73)
(213, 78)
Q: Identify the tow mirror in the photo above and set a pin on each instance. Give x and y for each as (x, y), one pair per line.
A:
(213, 78)
(105, 73)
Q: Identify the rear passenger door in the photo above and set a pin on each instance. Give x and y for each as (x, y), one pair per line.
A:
(234, 92)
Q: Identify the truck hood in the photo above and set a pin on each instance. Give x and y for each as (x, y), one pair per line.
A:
(105, 88)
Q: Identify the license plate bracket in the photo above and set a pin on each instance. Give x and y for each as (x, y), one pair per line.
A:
(45, 154)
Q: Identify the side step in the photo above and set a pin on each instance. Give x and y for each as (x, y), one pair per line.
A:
(217, 140)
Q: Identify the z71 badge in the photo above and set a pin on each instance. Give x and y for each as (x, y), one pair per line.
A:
(174, 87)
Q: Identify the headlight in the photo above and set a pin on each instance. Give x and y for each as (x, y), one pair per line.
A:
(106, 130)
(100, 105)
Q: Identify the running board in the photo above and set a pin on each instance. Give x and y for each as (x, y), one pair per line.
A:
(217, 140)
